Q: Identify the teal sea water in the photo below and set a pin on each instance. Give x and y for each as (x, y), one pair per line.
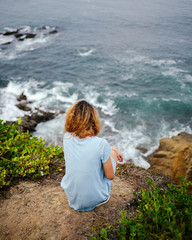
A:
(131, 59)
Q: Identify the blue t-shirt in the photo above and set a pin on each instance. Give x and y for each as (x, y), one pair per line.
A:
(84, 181)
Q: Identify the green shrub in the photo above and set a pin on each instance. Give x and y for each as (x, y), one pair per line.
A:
(161, 215)
(22, 155)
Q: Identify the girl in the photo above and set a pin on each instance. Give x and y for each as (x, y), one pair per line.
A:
(90, 160)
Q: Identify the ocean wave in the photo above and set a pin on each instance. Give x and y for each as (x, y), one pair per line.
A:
(107, 106)
(173, 71)
(85, 51)
(132, 57)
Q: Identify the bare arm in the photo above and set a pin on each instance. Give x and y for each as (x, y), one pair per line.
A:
(108, 167)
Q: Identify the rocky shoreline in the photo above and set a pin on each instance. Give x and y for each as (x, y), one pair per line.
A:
(34, 117)
(173, 157)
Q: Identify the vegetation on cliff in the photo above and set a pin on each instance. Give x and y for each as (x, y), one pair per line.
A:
(22, 155)
(163, 214)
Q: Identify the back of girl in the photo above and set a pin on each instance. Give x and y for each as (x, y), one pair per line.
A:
(90, 161)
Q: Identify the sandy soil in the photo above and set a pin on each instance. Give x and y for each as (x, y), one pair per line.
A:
(39, 211)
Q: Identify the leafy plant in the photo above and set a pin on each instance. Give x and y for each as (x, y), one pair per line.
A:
(22, 155)
(162, 215)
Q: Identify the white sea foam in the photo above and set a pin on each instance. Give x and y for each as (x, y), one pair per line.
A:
(8, 29)
(129, 140)
(5, 39)
(172, 99)
(31, 44)
(85, 52)
(162, 62)
(106, 107)
(188, 78)
(52, 131)
(133, 57)
(173, 71)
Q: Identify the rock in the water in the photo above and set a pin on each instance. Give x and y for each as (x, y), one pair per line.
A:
(174, 157)
(7, 43)
(23, 106)
(22, 97)
(42, 116)
(142, 149)
(28, 124)
(18, 35)
(30, 35)
(10, 33)
(53, 32)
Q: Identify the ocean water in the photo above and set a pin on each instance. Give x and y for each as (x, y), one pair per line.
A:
(130, 59)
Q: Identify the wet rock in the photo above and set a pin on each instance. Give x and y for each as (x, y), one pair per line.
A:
(174, 157)
(53, 32)
(23, 106)
(7, 43)
(142, 149)
(30, 35)
(42, 116)
(18, 35)
(22, 97)
(28, 124)
(10, 33)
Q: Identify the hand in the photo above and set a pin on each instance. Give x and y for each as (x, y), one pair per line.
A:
(118, 154)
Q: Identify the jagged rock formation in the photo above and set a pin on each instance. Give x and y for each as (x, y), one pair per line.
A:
(174, 157)
(22, 34)
(34, 116)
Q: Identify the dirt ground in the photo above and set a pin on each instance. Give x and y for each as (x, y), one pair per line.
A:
(39, 211)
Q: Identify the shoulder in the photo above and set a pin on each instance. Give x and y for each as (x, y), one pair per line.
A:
(102, 142)
(67, 136)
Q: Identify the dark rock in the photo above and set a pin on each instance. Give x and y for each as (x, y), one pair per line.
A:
(30, 35)
(21, 39)
(28, 124)
(142, 149)
(18, 35)
(7, 43)
(10, 33)
(42, 116)
(42, 28)
(23, 106)
(22, 97)
(53, 32)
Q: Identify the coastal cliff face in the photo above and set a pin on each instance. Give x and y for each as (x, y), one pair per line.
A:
(174, 157)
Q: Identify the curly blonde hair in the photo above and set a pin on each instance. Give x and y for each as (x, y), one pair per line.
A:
(82, 120)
